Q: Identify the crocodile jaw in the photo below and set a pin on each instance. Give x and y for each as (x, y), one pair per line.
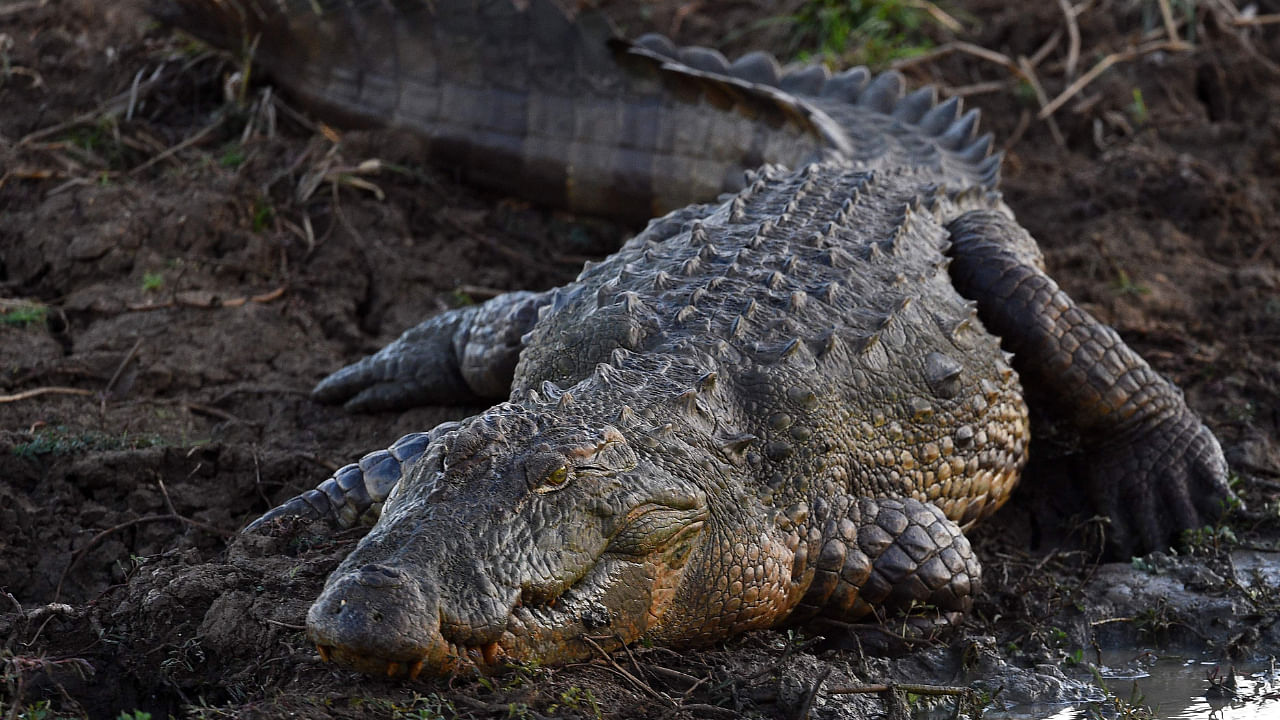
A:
(386, 620)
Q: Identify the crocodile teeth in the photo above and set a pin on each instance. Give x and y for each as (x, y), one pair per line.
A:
(415, 670)
(324, 653)
(490, 652)
(393, 668)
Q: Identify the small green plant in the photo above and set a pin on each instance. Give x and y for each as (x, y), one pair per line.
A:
(42, 710)
(1125, 285)
(577, 698)
(461, 298)
(152, 281)
(1057, 637)
(262, 214)
(1142, 564)
(1138, 108)
(233, 156)
(1154, 623)
(429, 707)
(1208, 539)
(91, 137)
(100, 140)
(60, 440)
(1026, 94)
(23, 314)
(135, 715)
(859, 32)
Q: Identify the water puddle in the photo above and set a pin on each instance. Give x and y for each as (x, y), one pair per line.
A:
(1177, 687)
(1174, 687)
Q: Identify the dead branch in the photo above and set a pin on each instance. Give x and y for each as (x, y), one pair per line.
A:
(37, 392)
(1073, 37)
(1034, 81)
(639, 684)
(960, 46)
(1102, 66)
(193, 140)
(1272, 19)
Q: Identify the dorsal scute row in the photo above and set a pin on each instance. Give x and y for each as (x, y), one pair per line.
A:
(867, 109)
(819, 240)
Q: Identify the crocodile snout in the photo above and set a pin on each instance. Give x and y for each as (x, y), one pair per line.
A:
(379, 619)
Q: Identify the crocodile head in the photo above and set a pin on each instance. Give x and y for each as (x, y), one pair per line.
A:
(526, 534)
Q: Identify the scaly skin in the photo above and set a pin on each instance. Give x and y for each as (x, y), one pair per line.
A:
(525, 101)
(775, 408)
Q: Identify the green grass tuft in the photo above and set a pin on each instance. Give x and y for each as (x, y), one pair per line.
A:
(859, 32)
(152, 281)
(23, 314)
(61, 440)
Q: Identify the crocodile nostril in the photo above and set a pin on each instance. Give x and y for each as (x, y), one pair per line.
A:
(376, 616)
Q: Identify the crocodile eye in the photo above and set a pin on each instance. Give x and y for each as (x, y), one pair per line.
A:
(554, 480)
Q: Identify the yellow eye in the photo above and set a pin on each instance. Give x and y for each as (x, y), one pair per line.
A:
(554, 480)
(558, 476)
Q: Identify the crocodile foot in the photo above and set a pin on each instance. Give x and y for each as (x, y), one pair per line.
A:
(1163, 478)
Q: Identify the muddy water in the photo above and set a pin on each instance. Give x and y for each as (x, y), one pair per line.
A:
(1180, 686)
(1174, 687)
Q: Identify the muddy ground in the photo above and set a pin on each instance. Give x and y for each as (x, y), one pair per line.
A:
(177, 269)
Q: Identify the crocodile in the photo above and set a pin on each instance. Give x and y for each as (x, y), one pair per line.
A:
(782, 405)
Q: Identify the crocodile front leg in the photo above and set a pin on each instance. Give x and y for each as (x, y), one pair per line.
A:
(890, 553)
(455, 357)
(1150, 465)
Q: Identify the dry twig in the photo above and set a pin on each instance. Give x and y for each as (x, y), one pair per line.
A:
(17, 8)
(115, 377)
(1272, 19)
(940, 16)
(1170, 27)
(193, 140)
(807, 705)
(1105, 63)
(1034, 81)
(639, 684)
(932, 690)
(960, 46)
(1073, 37)
(37, 392)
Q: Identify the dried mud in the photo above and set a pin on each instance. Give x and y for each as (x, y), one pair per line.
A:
(197, 263)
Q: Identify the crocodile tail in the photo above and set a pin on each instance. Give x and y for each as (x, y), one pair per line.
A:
(870, 120)
(525, 100)
(355, 493)
(522, 98)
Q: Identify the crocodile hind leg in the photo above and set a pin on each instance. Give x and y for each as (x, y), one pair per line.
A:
(1147, 462)
(457, 356)
(892, 554)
